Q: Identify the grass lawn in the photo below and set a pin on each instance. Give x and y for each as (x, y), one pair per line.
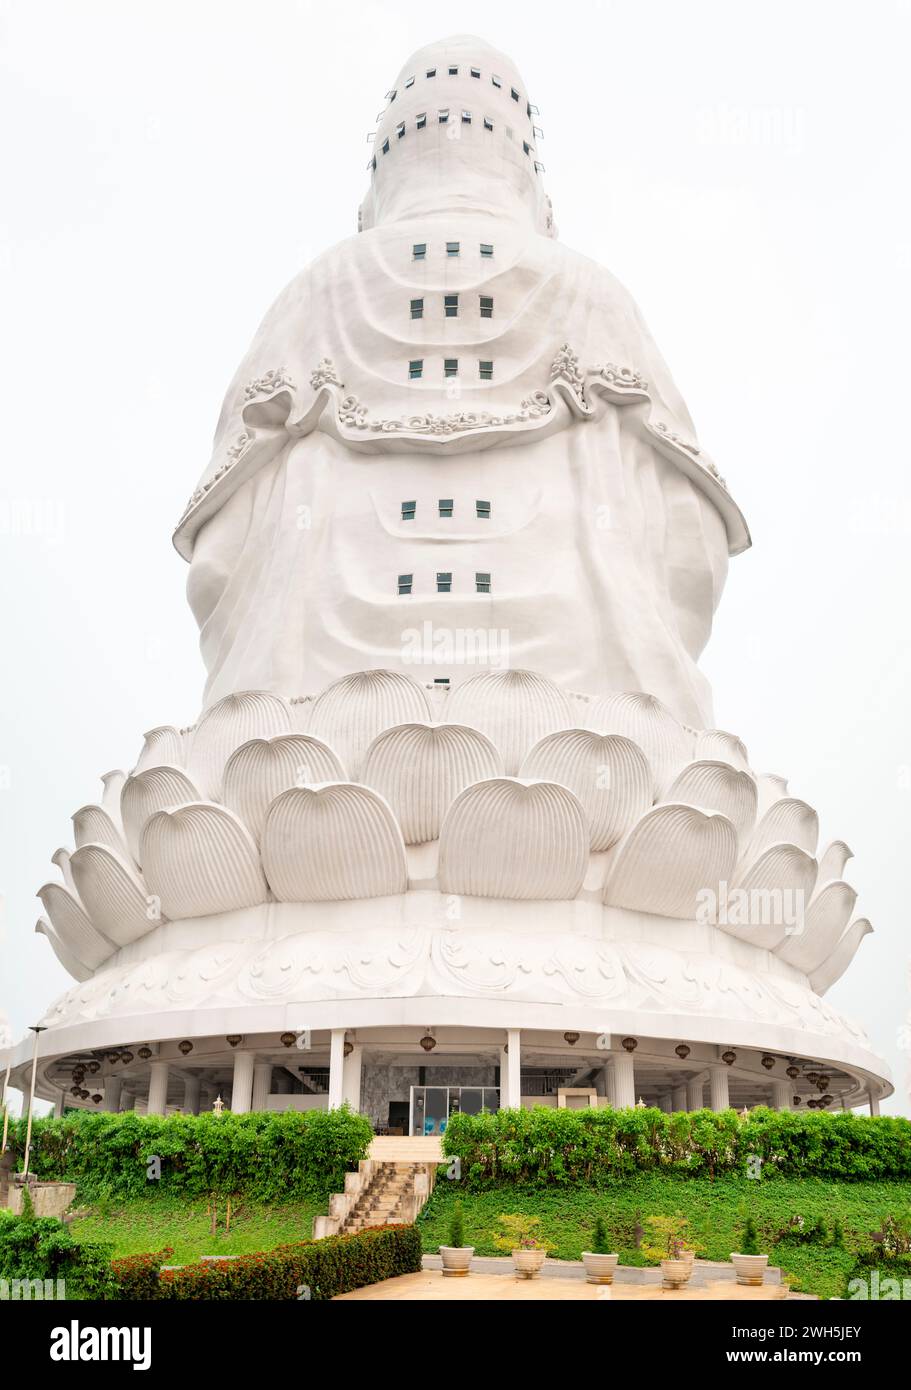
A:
(185, 1224)
(714, 1210)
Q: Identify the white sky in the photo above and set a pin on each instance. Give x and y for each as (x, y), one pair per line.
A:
(168, 166)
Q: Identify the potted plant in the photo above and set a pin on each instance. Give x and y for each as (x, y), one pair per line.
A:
(667, 1244)
(518, 1237)
(456, 1256)
(599, 1264)
(749, 1264)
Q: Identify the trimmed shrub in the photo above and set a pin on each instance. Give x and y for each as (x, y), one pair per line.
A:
(318, 1269)
(268, 1157)
(548, 1147)
(136, 1276)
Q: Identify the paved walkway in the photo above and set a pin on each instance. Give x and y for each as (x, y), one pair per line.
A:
(430, 1287)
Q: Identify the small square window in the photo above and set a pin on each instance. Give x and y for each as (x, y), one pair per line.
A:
(445, 506)
(486, 306)
(400, 129)
(451, 306)
(466, 118)
(482, 582)
(483, 510)
(408, 510)
(410, 82)
(486, 249)
(444, 582)
(488, 123)
(421, 120)
(453, 72)
(385, 147)
(419, 250)
(416, 369)
(443, 116)
(417, 308)
(390, 96)
(405, 582)
(495, 80)
(476, 72)
(441, 680)
(452, 248)
(372, 164)
(485, 371)
(431, 72)
(450, 366)
(514, 94)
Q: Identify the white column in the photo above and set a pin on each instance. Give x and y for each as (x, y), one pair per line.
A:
(59, 1103)
(513, 1061)
(600, 1080)
(874, 1104)
(336, 1068)
(678, 1098)
(113, 1089)
(158, 1088)
(262, 1085)
(781, 1095)
(695, 1095)
(191, 1093)
(242, 1088)
(351, 1077)
(664, 1104)
(624, 1081)
(718, 1087)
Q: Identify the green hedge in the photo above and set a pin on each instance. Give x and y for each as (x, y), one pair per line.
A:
(544, 1147)
(267, 1157)
(322, 1268)
(41, 1248)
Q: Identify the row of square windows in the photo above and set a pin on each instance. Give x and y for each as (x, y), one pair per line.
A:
(446, 506)
(453, 71)
(420, 123)
(444, 582)
(453, 248)
(451, 306)
(450, 368)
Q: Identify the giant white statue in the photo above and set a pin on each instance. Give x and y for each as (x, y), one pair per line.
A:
(455, 805)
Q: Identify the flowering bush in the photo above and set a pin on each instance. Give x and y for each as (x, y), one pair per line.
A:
(136, 1276)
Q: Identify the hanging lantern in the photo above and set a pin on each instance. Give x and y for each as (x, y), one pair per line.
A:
(288, 1039)
(813, 1076)
(428, 1042)
(572, 1038)
(682, 1051)
(185, 1047)
(729, 1058)
(234, 1038)
(630, 1045)
(823, 1082)
(74, 1090)
(348, 1048)
(827, 1100)
(113, 1058)
(792, 1072)
(813, 1102)
(144, 1052)
(797, 1100)
(126, 1056)
(219, 1105)
(94, 1067)
(768, 1062)
(97, 1099)
(84, 1095)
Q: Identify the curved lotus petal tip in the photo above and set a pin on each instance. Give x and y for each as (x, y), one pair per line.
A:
(73, 926)
(199, 859)
(332, 843)
(114, 895)
(673, 856)
(144, 793)
(649, 724)
(717, 786)
(514, 709)
(832, 970)
(71, 964)
(509, 839)
(350, 713)
(225, 726)
(608, 773)
(421, 768)
(262, 769)
(824, 923)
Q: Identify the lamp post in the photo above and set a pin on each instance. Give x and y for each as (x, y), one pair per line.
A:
(37, 1029)
(9, 1067)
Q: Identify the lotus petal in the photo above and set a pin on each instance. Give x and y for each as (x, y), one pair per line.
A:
(515, 709)
(75, 930)
(93, 826)
(225, 726)
(714, 745)
(609, 774)
(772, 894)
(144, 793)
(332, 843)
(823, 978)
(350, 713)
(640, 717)
(716, 786)
(510, 839)
(200, 859)
(162, 746)
(421, 768)
(771, 788)
(114, 895)
(263, 768)
(824, 924)
(110, 797)
(61, 857)
(70, 963)
(670, 858)
(832, 862)
(787, 821)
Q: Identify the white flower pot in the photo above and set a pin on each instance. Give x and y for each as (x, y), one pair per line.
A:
(599, 1269)
(527, 1263)
(675, 1273)
(456, 1259)
(750, 1268)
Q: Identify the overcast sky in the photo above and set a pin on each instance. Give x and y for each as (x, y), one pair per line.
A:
(168, 166)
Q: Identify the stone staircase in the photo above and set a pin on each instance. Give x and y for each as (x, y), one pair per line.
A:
(389, 1188)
